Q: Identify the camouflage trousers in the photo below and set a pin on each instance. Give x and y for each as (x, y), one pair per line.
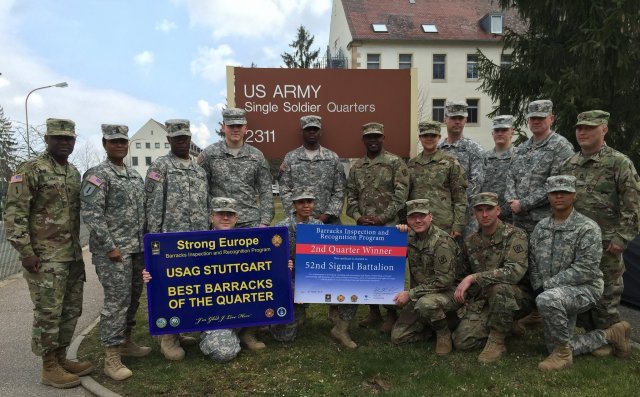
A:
(288, 332)
(472, 223)
(220, 345)
(605, 313)
(346, 312)
(56, 293)
(415, 319)
(493, 308)
(559, 308)
(122, 285)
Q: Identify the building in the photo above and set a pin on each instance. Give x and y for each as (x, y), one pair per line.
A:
(149, 143)
(439, 38)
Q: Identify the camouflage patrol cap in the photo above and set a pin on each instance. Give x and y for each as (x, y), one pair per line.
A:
(234, 116)
(429, 127)
(418, 205)
(541, 108)
(301, 194)
(456, 108)
(485, 198)
(561, 183)
(373, 128)
(505, 121)
(223, 204)
(593, 117)
(61, 127)
(177, 127)
(115, 131)
(310, 121)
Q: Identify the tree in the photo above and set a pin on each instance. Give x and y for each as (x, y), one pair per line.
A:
(302, 57)
(7, 153)
(582, 55)
(84, 156)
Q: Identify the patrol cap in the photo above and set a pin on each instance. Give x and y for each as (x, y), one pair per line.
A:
(429, 127)
(61, 127)
(177, 127)
(418, 205)
(223, 204)
(372, 128)
(234, 116)
(561, 183)
(310, 121)
(456, 108)
(505, 121)
(301, 194)
(115, 131)
(593, 117)
(541, 108)
(485, 198)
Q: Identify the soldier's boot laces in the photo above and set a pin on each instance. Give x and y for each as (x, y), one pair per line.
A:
(619, 335)
(443, 341)
(186, 340)
(340, 332)
(494, 349)
(603, 351)
(80, 368)
(561, 357)
(113, 366)
(54, 375)
(248, 337)
(131, 349)
(170, 347)
(389, 320)
(334, 314)
(533, 320)
(372, 318)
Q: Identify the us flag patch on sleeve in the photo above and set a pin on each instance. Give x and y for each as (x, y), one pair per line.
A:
(155, 176)
(94, 180)
(16, 179)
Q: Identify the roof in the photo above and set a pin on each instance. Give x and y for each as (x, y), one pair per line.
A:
(455, 19)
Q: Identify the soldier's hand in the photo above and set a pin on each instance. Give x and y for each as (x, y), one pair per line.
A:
(402, 227)
(363, 221)
(323, 218)
(401, 298)
(290, 264)
(31, 264)
(455, 234)
(375, 220)
(615, 248)
(115, 255)
(463, 287)
(263, 225)
(515, 206)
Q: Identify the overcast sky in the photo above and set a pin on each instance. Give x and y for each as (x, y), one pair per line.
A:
(130, 60)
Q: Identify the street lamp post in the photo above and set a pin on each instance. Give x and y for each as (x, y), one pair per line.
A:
(26, 110)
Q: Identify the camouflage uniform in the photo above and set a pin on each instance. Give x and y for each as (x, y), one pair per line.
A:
(500, 294)
(113, 210)
(43, 219)
(471, 157)
(220, 345)
(496, 165)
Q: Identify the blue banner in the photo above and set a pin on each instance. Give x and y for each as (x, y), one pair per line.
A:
(218, 279)
(349, 264)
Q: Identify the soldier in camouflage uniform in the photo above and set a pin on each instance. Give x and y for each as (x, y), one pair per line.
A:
(112, 198)
(495, 261)
(432, 257)
(607, 191)
(439, 177)
(314, 168)
(176, 201)
(534, 161)
(43, 224)
(377, 189)
(238, 170)
(497, 162)
(564, 256)
(469, 153)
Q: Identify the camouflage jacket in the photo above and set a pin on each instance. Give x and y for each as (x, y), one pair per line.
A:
(291, 223)
(432, 262)
(496, 167)
(324, 176)
(43, 210)
(608, 191)
(471, 156)
(532, 164)
(245, 178)
(566, 254)
(498, 259)
(176, 197)
(379, 187)
(441, 179)
(113, 208)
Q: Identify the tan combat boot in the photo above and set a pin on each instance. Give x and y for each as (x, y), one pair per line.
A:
(443, 341)
(248, 337)
(618, 335)
(80, 368)
(389, 320)
(532, 321)
(518, 329)
(561, 357)
(113, 367)
(340, 332)
(186, 340)
(494, 349)
(372, 318)
(54, 375)
(603, 351)
(170, 347)
(131, 349)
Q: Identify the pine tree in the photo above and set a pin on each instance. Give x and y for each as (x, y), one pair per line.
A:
(302, 57)
(7, 153)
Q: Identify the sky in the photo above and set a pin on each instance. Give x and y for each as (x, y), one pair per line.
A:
(127, 61)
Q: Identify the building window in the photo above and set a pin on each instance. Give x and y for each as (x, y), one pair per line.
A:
(138, 145)
(147, 145)
(439, 66)
(429, 28)
(472, 109)
(134, 161)
(157, 145)
(373, 61)
(496, 24)
(379, 27)
(147, 160)
(437, 113)
(505, 60)
(405, 61)
(472, 66)
(166, 145)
